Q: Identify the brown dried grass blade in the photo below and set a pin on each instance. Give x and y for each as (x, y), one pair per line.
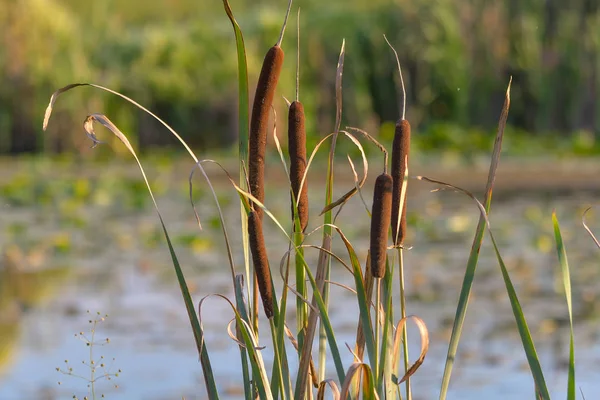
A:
(346, 196)
(403, 111)
(375, 142)
(233, 337)
(53, 99)
(277, 143)
(587, 227)
(357, 186)
(297, 58)
(313, 371)
(57, 93)
(251, 345)
(335, 391)
(312, 246)
(354, 372)
(424, 333)
(498, 144)
(287, 14)
(338, 87)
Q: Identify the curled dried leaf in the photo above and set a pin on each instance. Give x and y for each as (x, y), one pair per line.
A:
(53, 98)
(375, 142)
(57, 93)
(346, 196)
(335, 391)
(354, 372)
(235, 339)
(424, 333)
(587, 228)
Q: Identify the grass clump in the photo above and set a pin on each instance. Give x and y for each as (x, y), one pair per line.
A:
(380, 330)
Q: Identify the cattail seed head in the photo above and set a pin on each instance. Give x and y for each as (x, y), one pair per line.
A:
(400, 151)
(263, 99)
(261, 262)
(380, 221)
(297, 152)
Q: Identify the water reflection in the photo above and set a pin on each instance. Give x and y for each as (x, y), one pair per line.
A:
(26, 281)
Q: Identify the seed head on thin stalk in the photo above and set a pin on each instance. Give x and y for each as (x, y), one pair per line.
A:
(97, 366)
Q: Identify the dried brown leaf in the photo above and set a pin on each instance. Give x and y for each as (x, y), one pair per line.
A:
(587, 227)
(424, 333)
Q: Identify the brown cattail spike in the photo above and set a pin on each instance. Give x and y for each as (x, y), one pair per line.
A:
(380, 223)
(400, 150)
(297, 151)
(261, 262)
(263, 99)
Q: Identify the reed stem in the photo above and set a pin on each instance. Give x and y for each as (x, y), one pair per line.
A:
(403, 315)
(375, 362)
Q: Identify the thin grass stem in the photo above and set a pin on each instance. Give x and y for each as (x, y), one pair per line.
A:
(375, 362)
(403, 315)
(277, 384)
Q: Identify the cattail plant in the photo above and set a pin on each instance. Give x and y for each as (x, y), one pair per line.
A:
(297, 149)
(379, 378)
(299, 192)
(381, 215)
(263, 100)
(400, 151)
(261, 262)
(380, 222)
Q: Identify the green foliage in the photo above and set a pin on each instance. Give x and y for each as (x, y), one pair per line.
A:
(178, 58)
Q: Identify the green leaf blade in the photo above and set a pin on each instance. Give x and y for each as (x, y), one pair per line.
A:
(566, 275)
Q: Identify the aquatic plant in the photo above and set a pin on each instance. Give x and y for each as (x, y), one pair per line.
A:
(96, 368)
(379, 330)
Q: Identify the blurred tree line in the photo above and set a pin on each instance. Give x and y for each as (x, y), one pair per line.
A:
(178, 58)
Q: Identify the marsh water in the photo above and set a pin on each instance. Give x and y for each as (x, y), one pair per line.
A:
(78, 239)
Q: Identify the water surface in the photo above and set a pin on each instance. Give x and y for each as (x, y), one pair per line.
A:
(95, 244)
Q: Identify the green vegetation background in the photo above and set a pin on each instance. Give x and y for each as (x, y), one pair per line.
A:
(178, 58)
